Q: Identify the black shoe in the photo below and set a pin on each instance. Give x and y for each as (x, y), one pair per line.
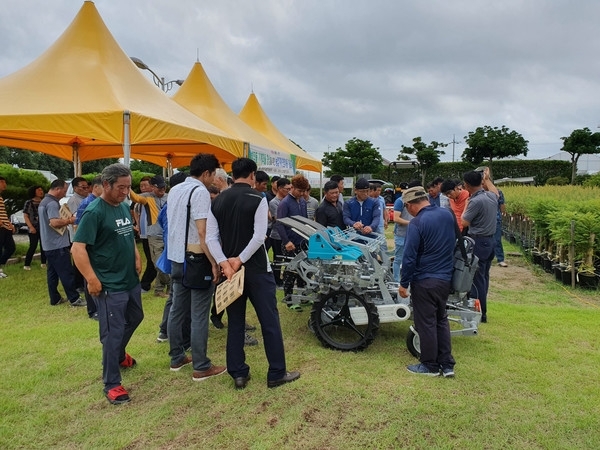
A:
(241, 382)
(78, 302)
(250, 340)
(250, 327)
(94, 316)
(217, 322)
(288, 378)
(484, 318)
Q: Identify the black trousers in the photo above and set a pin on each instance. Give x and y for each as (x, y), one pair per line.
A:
(429, 297)
(484, 249)
(7, 245)
(213, 310)
(277, 254)
(289, 277)
(34, 239)
(260, 290)
(150, 272)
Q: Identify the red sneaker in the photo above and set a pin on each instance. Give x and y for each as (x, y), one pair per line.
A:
(117, 395)
(128, 362)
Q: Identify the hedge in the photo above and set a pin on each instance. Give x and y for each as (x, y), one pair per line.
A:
(541, 170)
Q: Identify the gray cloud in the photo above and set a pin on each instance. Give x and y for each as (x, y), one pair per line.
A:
(326, 71)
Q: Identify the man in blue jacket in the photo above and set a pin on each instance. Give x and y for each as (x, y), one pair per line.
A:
(362, 212)
(293, 204)
(427, 264)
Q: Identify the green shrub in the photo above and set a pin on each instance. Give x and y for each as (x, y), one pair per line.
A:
(17, 183)
(592, 181)
(557, 181)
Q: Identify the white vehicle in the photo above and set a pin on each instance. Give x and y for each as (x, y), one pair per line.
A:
(18, 220)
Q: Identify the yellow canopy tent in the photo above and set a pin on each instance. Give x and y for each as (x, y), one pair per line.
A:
(253, 114)
(198, 95)
(84, 99)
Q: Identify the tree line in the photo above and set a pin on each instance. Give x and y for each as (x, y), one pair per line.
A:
(484, 146)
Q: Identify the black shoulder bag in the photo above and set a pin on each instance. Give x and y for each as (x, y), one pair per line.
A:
(197, 268)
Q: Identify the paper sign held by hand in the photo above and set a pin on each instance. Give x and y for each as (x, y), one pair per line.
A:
(65, 213)
(229, 291)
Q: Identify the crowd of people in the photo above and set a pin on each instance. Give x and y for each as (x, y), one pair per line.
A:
(233, 222)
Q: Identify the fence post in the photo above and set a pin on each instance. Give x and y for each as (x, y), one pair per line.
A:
(572, 254)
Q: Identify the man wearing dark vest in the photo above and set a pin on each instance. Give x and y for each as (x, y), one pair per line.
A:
(235, 240)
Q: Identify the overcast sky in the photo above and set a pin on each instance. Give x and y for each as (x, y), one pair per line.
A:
(326, 71)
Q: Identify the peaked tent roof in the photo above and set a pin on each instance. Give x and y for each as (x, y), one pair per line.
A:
(70, 102)
(198, 95)
(253, 114)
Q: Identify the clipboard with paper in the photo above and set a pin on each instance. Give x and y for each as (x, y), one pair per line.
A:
(229, 291)
(65, 213)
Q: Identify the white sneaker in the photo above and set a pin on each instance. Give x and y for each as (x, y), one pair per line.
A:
(2, 274)
(26, 268)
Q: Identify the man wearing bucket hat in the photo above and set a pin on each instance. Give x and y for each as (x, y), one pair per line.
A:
(427, 264)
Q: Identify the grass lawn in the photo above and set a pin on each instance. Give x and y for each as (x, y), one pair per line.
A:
(527, 381)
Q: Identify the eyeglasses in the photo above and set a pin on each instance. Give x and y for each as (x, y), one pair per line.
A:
(82, 186)
(285, 188)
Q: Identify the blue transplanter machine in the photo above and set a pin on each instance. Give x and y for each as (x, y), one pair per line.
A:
(350, 285)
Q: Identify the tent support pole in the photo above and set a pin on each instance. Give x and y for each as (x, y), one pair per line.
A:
(126, 138)
(321, 184)
(169, 167)
(76, 160)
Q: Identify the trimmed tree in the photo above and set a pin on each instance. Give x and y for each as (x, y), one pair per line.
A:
(487, 143)
(580, 142)
(427, 155)
(358, 157)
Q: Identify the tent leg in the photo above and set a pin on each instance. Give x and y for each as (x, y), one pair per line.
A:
(76, 160)
(126, 138)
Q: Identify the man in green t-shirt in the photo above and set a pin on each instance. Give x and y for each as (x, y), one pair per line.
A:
(104, 250)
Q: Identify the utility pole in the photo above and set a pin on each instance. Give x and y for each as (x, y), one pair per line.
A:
(454, 142)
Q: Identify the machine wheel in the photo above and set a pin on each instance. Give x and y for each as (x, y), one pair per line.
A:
(344, 320)
(413, 343)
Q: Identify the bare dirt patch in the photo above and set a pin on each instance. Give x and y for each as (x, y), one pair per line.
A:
(518, 275)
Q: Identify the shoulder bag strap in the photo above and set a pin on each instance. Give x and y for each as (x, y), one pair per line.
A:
(460, 242)
(187, 220)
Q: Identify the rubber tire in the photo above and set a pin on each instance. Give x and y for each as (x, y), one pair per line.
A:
(413, 343)
(364, 336)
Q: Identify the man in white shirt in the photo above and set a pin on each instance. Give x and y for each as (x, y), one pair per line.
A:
(185, 300)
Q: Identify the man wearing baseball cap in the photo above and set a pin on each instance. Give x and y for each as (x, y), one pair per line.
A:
(362, 212)
(427, 264)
